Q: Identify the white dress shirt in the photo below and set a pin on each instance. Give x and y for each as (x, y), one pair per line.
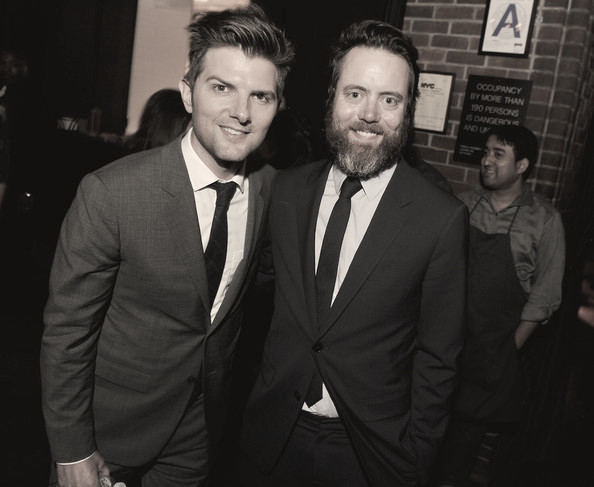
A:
(363, 206)
(201, 177)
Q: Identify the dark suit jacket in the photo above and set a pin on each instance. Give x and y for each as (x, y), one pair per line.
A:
(127, 325)
(390, 343)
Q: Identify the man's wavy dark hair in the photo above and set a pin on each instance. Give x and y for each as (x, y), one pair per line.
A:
(380, 35)
(247, 28)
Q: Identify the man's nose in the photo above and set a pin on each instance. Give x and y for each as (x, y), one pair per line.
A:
(486, 159)
(241, 110)
(369, 111)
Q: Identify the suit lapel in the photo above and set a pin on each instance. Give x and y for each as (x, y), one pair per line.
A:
(179, 211)
(308, 206)
(390, 216)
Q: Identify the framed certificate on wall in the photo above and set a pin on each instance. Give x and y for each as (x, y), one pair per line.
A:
(434, 102)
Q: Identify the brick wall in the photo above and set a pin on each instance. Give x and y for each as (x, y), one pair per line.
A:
(560, 65)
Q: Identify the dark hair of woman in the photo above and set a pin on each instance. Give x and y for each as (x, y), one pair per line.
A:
(163, 118)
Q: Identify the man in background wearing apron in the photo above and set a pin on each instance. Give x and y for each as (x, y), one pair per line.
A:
(516, 265)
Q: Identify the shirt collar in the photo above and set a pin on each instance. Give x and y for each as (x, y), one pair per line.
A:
(525, 198)
(372, 187)
(200, 175)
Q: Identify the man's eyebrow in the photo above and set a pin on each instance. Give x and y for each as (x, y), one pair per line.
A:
(218, 79)
(270, 93)
(354, 87)
(357, 87)
(394, 94)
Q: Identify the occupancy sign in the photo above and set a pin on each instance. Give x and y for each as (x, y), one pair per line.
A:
(489, 102)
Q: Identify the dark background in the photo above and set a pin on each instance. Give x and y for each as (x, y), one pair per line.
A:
(80, 52)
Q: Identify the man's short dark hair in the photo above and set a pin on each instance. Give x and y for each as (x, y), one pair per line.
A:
(247, 28)
(380, 35)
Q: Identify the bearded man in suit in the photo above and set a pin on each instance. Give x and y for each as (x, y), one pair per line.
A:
(138, 343)
(355, 383)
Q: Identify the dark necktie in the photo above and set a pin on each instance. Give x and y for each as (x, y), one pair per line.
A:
(328, 264)
(216, 250)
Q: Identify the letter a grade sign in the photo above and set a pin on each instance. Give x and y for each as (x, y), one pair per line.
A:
(507, 27)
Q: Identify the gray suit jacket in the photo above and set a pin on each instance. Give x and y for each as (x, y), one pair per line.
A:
(387, 350)
(127, 325)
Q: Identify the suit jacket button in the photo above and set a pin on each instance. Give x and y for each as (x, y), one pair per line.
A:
(191, 379)
(297, 396)
(318, 347)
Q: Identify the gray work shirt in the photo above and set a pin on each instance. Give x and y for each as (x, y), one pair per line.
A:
(537, 245)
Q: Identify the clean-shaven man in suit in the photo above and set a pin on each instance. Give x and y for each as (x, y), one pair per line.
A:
(136, 353)
(357, 393)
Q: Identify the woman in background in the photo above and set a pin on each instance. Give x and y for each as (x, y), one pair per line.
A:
(163, 119)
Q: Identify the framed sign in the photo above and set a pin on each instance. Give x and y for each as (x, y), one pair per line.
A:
(488, 102)
(434, 102)
(507, 27)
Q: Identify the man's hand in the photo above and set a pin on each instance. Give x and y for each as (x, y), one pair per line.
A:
(523, 331)
(586, 311)
(83, 474)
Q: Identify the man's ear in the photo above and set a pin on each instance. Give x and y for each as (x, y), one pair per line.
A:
(522, 165)
(186, 94)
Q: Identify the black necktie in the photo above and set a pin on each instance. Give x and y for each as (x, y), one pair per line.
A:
(216, 250)
(328, 264)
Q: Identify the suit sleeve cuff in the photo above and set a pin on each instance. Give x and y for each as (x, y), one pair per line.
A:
(74, 463)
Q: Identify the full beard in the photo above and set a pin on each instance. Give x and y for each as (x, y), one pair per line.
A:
(363, 161)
